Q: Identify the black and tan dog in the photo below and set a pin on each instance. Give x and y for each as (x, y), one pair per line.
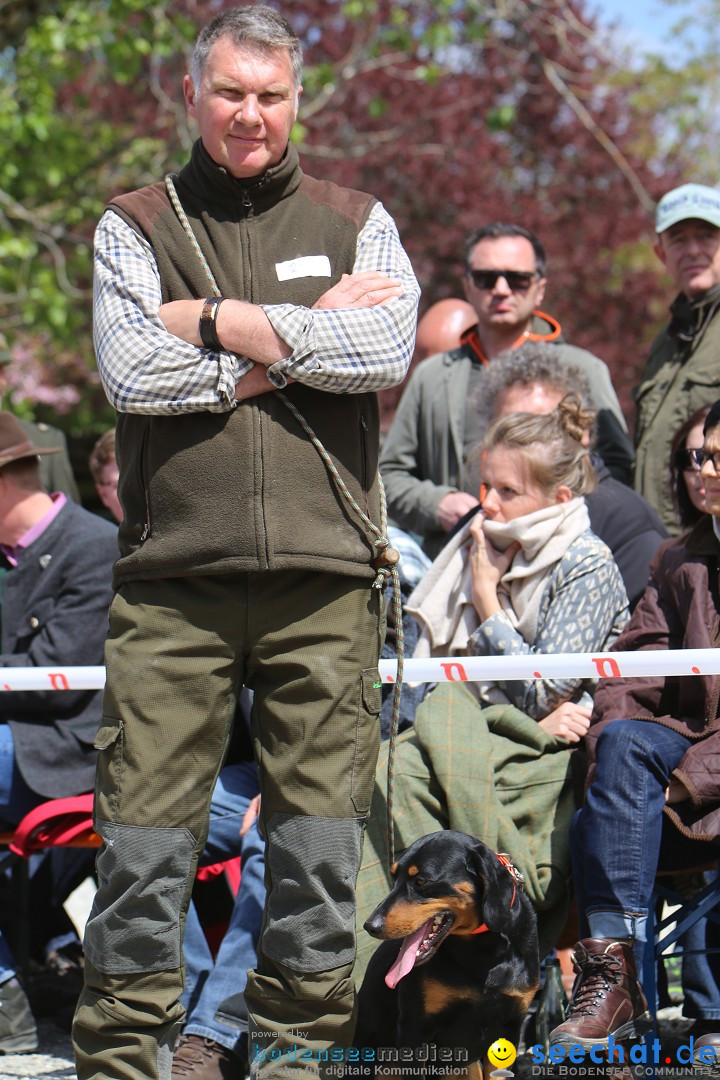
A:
(458, 965)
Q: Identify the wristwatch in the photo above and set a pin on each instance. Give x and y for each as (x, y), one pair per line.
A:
(208, 330)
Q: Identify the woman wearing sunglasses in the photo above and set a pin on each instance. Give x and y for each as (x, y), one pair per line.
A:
(688, 486)
(653, 797)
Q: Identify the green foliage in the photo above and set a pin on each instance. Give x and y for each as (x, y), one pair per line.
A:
(500, 118)
(675, 93)
(68, 145)
(437, 106)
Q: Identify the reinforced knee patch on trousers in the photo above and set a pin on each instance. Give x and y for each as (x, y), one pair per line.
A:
(134, 925)
(313, 864)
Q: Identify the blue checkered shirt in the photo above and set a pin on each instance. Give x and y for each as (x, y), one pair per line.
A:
(145, 369)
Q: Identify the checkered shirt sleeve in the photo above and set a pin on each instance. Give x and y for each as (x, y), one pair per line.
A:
(144, 369)
(352, 351)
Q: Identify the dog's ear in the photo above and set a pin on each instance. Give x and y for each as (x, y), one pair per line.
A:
(496, 891)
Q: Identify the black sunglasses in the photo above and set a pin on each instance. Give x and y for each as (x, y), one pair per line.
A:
(697, 458)
(518, 280)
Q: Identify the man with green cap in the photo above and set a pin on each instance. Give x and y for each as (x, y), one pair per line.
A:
(682, 373)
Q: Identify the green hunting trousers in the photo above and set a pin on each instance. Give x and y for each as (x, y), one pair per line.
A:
(178, 652)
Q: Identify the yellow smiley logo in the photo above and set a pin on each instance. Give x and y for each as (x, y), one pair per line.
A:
(502, 1053)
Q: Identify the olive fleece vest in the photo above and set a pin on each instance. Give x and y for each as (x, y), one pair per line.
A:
(245, 490)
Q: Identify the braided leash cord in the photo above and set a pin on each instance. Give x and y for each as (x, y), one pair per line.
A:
(385, 562)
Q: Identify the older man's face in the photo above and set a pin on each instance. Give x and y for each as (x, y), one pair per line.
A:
(691, 252)
(245, 107)
(500, 305)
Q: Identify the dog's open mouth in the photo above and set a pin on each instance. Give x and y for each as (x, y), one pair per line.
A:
(419, 946)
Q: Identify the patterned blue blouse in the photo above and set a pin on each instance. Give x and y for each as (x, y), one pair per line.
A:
(584, 609)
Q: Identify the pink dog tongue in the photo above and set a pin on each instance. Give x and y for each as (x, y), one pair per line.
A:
(406, 957)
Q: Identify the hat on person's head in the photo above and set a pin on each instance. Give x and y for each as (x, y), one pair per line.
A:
(14, 443)
(688, 201)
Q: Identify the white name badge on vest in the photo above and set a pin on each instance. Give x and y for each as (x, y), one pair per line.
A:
(305, 266)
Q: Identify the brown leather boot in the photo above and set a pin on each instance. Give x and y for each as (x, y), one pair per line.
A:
(707, 1064)
(606, 998)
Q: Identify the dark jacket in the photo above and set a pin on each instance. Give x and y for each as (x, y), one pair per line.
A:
(629, 526)
(55, 614)
(217, 493)
(679, 610)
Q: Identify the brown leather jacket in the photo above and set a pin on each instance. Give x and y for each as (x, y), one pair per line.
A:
(680, 609)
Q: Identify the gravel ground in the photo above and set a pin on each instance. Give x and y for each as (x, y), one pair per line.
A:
(54, 1060)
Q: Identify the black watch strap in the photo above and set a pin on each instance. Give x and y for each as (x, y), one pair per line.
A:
(208, 330)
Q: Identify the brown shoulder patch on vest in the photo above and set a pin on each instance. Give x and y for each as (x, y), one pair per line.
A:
(354, 205)
(141, 208)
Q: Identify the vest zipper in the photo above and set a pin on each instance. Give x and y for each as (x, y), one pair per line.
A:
(247, 205)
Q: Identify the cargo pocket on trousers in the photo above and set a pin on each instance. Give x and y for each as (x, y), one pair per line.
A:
(367, 740)
(109, 740)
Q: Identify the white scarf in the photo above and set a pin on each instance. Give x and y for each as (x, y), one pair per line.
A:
(442, 602)
(544, 537)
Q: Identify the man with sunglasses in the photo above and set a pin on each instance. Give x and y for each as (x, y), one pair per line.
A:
(436, 424)
(682, 373)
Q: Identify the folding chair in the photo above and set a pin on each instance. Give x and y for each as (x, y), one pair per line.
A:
(55, 823)
(686, 912)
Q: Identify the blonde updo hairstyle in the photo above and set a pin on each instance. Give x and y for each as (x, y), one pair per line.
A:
(550, 445)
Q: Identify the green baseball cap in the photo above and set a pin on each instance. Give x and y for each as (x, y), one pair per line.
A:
(688, 201)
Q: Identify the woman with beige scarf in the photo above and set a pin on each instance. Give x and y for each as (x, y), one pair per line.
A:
(527, 575)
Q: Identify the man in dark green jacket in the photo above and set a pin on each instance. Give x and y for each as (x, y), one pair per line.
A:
(683, 369)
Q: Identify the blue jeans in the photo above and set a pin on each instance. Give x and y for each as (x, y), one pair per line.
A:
(16, 798)
(618, 844)
(208, 983)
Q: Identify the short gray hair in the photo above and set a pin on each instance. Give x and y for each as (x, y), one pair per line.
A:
(531, 363)
(258, 28)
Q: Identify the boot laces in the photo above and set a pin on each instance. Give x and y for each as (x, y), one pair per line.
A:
(597, 974)
(192, 1051)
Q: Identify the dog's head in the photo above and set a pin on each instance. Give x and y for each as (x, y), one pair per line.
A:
(445, 883)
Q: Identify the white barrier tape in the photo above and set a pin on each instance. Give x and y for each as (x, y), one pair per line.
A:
(556, 666)
(445, 669)
(50, 678)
